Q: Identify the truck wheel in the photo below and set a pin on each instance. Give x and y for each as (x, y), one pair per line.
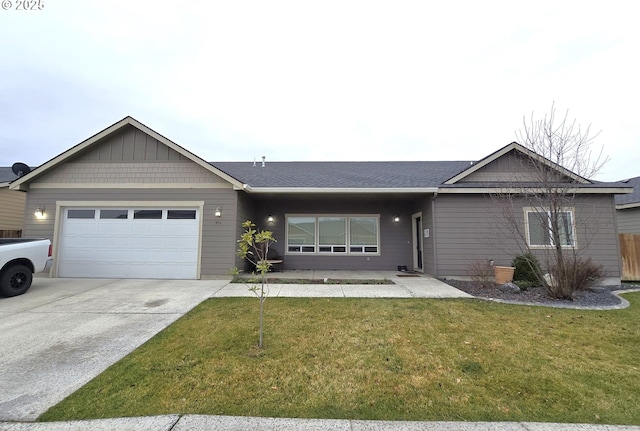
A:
(15, 280)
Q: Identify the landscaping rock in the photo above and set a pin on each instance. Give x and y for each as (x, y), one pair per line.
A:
(509, 288)
(600, 297)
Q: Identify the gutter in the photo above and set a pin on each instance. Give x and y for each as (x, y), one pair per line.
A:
(326, 190)
(519, 190)
(628, 206)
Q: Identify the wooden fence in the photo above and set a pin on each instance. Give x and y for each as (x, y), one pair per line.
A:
(10, 234)
(630, 252)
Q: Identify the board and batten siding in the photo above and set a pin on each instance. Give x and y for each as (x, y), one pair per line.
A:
(127, 157)
(472, 227)
(11, 209)
(628, 220)
(130, 144)
(217, 232)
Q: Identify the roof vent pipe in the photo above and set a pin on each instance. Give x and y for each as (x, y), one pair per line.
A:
(254, 161)
(263, 161)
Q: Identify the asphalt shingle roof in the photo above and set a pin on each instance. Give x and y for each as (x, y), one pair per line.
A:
(630, 198)
(343, 174)
(7, 175)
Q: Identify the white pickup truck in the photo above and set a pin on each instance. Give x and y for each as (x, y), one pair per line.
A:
(19, 259)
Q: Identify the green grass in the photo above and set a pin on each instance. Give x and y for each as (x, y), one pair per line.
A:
(392, 359)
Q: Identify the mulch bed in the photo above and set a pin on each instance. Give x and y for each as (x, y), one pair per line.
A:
(595, 297)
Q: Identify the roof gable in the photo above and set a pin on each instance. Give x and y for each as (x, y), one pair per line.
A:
(495, 171)
(91, 148)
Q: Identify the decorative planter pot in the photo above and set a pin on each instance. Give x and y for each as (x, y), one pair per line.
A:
(504, 274)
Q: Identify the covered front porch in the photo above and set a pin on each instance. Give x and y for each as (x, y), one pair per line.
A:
(365, 232)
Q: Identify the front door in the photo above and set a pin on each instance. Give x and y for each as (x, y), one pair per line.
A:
(417, 241)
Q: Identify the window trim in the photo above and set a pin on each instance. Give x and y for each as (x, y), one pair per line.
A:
(570, 210)
(347, 246)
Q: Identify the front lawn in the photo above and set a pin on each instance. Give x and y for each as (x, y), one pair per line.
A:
(392, 359)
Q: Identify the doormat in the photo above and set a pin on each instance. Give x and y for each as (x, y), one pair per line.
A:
(407, 275)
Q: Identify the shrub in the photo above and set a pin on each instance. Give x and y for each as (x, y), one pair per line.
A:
(573, 274)
(527, 269)
(481, 272)
(524, 284)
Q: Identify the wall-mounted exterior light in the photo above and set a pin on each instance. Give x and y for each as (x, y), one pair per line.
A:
(270, 219)
(40, 213)
(396, 219)
(218, 212)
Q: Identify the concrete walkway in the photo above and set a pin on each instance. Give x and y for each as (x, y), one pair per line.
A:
(47, 302)
(405, 286)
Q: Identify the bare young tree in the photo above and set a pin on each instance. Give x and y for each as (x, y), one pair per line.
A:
(558, 162)
(253, 246)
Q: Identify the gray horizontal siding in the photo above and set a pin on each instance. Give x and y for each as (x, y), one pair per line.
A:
(472, 227)
(628, 220)
(218, 234)
(245, 212)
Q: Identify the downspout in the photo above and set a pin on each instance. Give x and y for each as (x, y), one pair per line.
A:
(433, 234)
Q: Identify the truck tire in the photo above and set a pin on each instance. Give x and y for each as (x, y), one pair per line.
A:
(15, 280)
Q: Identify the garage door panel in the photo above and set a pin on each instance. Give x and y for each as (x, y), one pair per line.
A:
(115, 242)
(108, 229)
(86, 229)
(180, 257)
(129, 248)
(154, 228)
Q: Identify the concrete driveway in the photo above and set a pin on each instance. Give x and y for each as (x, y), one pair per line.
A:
(64, 332)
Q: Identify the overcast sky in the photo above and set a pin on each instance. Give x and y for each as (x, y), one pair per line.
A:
(324, 80)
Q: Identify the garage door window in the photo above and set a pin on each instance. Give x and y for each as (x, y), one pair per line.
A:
(81, 214)
(147, 214)
(114, 214)
(181, 214)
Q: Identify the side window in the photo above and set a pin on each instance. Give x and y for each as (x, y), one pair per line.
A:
(540, 228)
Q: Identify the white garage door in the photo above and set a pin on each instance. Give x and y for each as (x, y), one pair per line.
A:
(129, 243)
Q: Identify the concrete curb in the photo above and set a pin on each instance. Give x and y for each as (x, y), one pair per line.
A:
(240, 423)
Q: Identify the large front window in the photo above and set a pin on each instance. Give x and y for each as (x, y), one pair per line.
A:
(541, 226)
(333, 234)
(301, 234)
